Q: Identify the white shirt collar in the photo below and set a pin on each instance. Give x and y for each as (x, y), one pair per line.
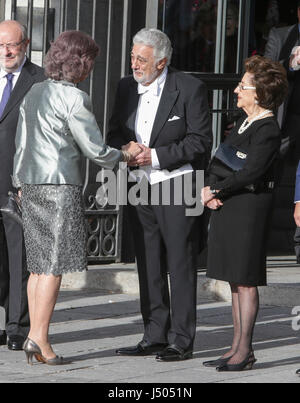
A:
(154, 87)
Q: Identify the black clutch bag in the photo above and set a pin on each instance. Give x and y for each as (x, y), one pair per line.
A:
(233, 158)
(227, 159)
(13, 208)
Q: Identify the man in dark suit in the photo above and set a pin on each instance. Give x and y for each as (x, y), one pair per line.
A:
(17, 75)
(279, 47)
(166, 112)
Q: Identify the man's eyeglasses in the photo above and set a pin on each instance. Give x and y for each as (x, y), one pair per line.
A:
(10, 45)
(242, 87)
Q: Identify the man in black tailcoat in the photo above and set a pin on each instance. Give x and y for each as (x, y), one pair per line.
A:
(166, 112)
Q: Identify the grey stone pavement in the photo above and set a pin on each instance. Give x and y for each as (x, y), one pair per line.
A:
(89, 324)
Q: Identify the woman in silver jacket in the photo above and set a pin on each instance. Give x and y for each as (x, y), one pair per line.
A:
(56, 129)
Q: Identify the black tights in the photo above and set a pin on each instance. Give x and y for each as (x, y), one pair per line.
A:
(245, 305)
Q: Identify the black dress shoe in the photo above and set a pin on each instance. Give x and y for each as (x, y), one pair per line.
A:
(15, 342)
(3, 339)
(298, 372)
(142, 348)
(174, 353)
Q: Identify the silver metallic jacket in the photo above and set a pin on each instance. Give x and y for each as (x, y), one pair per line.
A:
(56, 129)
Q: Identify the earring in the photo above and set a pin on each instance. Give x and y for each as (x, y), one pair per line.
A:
(256, 102)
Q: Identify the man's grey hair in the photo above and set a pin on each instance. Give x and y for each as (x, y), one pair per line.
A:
(24, 32)
(158, 40)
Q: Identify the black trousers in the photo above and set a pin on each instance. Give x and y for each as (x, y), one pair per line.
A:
(166, 241)
(13, 277)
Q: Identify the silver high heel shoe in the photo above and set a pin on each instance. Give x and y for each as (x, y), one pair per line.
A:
(31, 350)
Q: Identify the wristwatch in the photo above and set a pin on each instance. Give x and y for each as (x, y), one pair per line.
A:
(213, 191)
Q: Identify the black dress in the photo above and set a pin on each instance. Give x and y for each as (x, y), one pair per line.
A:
(239, 229)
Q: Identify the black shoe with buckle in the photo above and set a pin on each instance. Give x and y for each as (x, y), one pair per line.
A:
(174, 353)
(141, 349)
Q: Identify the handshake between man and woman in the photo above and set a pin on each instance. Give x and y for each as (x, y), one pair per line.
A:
(140, 155)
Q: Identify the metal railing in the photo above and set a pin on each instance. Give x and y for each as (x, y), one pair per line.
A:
(222, 102)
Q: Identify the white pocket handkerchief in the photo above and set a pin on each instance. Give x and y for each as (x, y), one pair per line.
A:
(174, 118)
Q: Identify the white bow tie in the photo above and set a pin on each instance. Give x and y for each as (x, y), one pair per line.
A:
(142, 89)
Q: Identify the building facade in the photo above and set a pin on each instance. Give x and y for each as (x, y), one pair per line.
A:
(211, 38)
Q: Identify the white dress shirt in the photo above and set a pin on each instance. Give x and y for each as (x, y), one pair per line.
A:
(3, 79)
(146, 112)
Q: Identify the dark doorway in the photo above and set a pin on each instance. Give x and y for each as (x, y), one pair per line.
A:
(269, 14)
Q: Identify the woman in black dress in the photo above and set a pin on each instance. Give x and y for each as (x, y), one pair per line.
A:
(241, 200)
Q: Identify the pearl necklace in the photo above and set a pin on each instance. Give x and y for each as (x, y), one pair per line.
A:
(246, 124)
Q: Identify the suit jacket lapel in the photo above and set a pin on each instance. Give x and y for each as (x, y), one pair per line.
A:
(133, 101)
(22, 86)
(167, 101)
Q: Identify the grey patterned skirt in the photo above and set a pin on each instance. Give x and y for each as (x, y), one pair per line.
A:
(54, 228)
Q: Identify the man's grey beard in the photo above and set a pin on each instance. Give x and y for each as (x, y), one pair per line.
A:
(146, 80)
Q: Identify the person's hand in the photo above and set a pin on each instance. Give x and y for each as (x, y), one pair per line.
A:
(214, 204)
(206, 195)
(133, 148)
(209, 200)
(295, 58)
(297, 55)
(143, 158)
(297, 214)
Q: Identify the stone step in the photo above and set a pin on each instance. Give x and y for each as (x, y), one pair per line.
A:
(283, 282)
